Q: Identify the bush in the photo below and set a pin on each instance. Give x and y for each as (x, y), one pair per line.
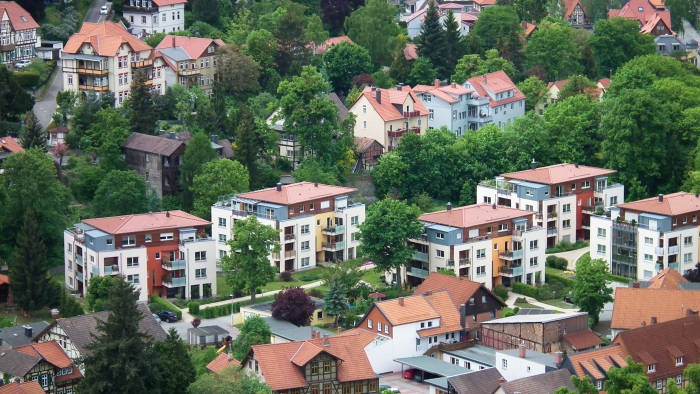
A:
(158, 304)
(286, 276)
(565, 246)
(28, 79)
(194, 307)
(557, 262)
(563, 282)
(314, 293)
(501, 291)
(526, 290)
(309, 278)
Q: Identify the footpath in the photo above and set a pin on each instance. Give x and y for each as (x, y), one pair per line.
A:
(514, 296)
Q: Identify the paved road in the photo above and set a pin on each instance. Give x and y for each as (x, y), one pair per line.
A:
(46, 107)
(514, 296)
(93, 14)
(690, 32)
(572, 256)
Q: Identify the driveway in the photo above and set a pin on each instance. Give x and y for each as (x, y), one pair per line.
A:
(572, 256)
(182, 326)
(406, 386)
(46, 107)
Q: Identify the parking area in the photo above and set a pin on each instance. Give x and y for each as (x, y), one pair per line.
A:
(181, 327)
(406, 386)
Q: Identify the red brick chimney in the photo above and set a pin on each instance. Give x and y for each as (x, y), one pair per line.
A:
(558, 358)
(437, 83)
(653, 320)
(340, 329)
(521, 350)
(501, 381)
(400, 301)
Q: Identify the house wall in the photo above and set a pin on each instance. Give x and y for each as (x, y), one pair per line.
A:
(542, 337)
(380, 355)
(369, 124)
(377, 317)
(188, 251)
(514, 367)
(174, 19)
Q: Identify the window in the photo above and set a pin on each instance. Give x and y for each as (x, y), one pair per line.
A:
(648, 241)
(480, 253)
(533, 245)
(659, 384)
(166, 237)
(679, 361)
(70, 79)
(533, 261)
(430, 324)
(305, 229)
(355, 220)
(386, 329)
(422, 325)
(566, 223)
(70, 248)
(379, 326)
(132, 261)
(687, 241)
(364, 125)
(326, 364)
(355, 236)
(364, 109)
(223, 253)
(369, 323)
(679, 380)
(685, 219)
(314, 368)
(504, 363)
(346, 388)
(613, 200)
(358, 387)
(599, 385)
(70, 265)
(148, 238)
(440, 254)
(311, 207)
(566, 208)
(200, 273)
(489, 230)
(648, 258)
(687, 257)
(301, 208)
(431, 115)
(651, 368)
(675, 221)
(222, 238)
(440, 235)
(528, 192)
(143, 20)
(372, 386)
(157, 255)
(222, 222)
(602, 233)
(200, 256)
(134, 279)
(129, 241)
(305, 245)
(585, 185)
(495, 246)
(481, 271)
(601, 249)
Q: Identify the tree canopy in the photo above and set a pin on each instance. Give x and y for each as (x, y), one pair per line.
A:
(294, 306)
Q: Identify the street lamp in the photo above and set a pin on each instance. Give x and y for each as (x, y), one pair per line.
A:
(231, 295)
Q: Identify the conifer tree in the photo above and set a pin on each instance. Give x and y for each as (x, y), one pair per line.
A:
(198, 153)
(400, 69)
(514, 48)
(247, 142)
(455, 47)
(141, 104)
(29, 280)
(122, 359)
(473, 45)
(334, 303)
(432, 41)
(176, 367)
(32, 134)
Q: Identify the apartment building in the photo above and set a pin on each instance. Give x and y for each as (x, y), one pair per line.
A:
(484, 243)
(104, 57)
(653, 19)
(164, 253)
(316, 222)
(447, 106)
(18, 37)
(495, 99)
(155, 16)
(564, 196)
(386, 115)
(157, 160)
(465, 19)
(641, 238)
(190, 61)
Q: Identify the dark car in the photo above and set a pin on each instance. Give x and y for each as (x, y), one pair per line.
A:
(168, 316)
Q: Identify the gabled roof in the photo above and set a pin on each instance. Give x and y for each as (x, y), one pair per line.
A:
(596, 362)
(330, 42)
(449, 93)
(10, 144)
(571, 6)
(105, 38)
(296, 193)
(659, 17)
(460, 289)
(129, 224)
(16, 336)
(343, 112)
(672, 204)
(392, 100)
(604, 83)
(544, 383)
(662, 343)
(417, 14)
(17, 363)
(583, 339)
(220, 362)
(163, 3)
(19, 17)
(474, 215)
(484, 381)
(152, 144)
(634, 307)
(194, 47)
(364, 143)
(50, 351)
(558, 84)
(558, 173)
(31, 387)
(4, 279)
(667, 279)
(414, 309)
(495, 83)
(529, 28)
(447, 309)
(642, 11)
(410, 51)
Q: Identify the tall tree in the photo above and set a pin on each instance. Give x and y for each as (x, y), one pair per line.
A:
(472, 44)
(230, 380)
(453, 43)
(249, 144)
(14, 99)
(552, 47)
(36, 8)
(423, 72)
(32, 134)
(388, 226)
(534, 90)
(628, 379)
(293, 51)
(98, 292)
(617, 41)
(335, 302)
(598, 9)
(207, 11)
(121, 193)
(432, 44)
(217, 178)
(142, 108)
(514, 48)
(495, 63)
(335, 12)
(401, 68)
(492, 20)
(238, 71)
(466, 68)
(591, 291)
(250, 268)
(29, 280)
(294, 306)
(693, 275)
(578, 84)
(314, 32)
(175, 367)
(122, 358)
(344, 61)
(106, 136)
(580, 37)
(574, 128)
(373, 27)
(253, 331)
(197, 154)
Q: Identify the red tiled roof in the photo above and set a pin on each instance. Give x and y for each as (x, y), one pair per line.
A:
(128, 224)
(558, 84)
(606, 357)
(392, 102)
(460, 289)
(450, 6)
(529, 28)
(8, 143)
(19, 17)
(631, 10)
(571, 6)
(220, 362)
(73, 375)
(60, 129)
(50, 351)
(634, 306)
(410, 52)
(495, 83)
(31, 387)
(4, 279)
(162, 3)
(363, 143)
(660, 17)
(672, 204)
(330, 42)
(305, 353)
(474, 215)
(558, 173)
(296, 193)
(485, 2)
(667, 279)
(604, 83)
(416, 14)
(449, 93)
(415, 308)
(583, 339)
(195, 47)
(105, 38)
(448, 311)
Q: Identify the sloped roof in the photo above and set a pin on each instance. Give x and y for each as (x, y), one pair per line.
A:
(16, 336)
(31, 387)
(484, 381)
(162, 3)
(152, 144)
(364, 143)
(634, 306)
(297, 193)
(558, 84)
(672, 204)
(342, 110)
(583, 339)
(392, 100)
(194, 47)
(415, 308)
(448, 93)
(558, 173)
(604, 83)
(410, 51)
(448, 311)
(50, 351)
(10, 144)
(105, 38)
(19, 17)
(497, 82)
(662, 17)
(17, 363)
(460, 289)
(642, 11)
(4, 279)
(529, 28)
(129, 224)
(667, 279)
(330, 42)
(474, 215)
(571, 6)
(544, 383)
(220, 362)
(417, 14)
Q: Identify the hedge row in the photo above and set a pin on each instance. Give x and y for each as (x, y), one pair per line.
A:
(526, 290)
(218, 311)
(564, 282)
(158, 304)
(28, 79)
(559, 263)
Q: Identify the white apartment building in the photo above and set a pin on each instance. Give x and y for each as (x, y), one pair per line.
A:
(104, 57)
(484, 243)
(641, 238)
(155, 16)
(316, 222)
(164, 253)
(495, 99)
(521, 363)
(563, 196)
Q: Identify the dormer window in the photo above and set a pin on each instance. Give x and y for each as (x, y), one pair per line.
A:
(679, 361)
(651, 368)
(641, 9)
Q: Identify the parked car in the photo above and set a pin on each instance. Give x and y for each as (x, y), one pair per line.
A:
(156, 317)
(22, 63)
(410, 373)
(385, 388)
(104, 9)
(168, 316)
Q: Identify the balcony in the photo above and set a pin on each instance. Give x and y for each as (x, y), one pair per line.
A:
(175, 282)
(411, 114)
(659, 251)
(607, 187)
(511, 255)
(586, 225)
(94, 88)
(673, 266)
(421, 273)
(7, 47)
(551, 216)
(331, 230)
(79, 276)
(551, 231)
(288, 238)
(95, 270)
(400, 132)
(111, 269)
(142, 63)
(592, 209)
(174, 265)
(79, 260)
(450, 263)
(674, 249)
(189, 71)
(333, 246)
(90, 71)
(538, 217)
(510, 272)
(185, 241)
(169, 168)
(463, 262)
(420, 256)
(517, 235)
(290, 254)
(140, 9)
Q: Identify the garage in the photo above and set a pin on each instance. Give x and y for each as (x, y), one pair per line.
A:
(425, 367)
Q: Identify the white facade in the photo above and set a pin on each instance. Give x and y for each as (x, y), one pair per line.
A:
(512, 366)
(17, 43)
(147, 16)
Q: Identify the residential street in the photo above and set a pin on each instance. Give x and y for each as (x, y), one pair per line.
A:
(93, 14)
(690, 32)
(45, 108)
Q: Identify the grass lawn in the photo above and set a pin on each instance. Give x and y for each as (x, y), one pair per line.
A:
(223, 288)
(559, 304)
(526, 305)
(435, 205)
(372, 277)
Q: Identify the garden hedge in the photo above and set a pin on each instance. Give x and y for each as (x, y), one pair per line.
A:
(526, 290)
(158, 304)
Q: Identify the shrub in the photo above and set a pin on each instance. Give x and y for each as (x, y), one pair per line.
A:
(526, 290)
(564, 282)
(286, 276)
(196, 322)
(28, 79)
(309, 278)
(158, 304)
(557, 262)
(501, 291)
(314, 293)
(565, 246)
(516, 309)
(194, 307)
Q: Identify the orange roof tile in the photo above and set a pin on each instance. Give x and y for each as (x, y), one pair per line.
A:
(220, 362)
(460, 289)
(363, 337)
(495, 83)
(390, 100)
(558, 173)
(614, 355)
(558, 84)
(571, 6)
(672, 204)
(105, 38)
(10, 144)
(659, 18)
(410, 51)
(667, 279)
(583, 339)
(416, 14)
(4, 279)
(634, 306)
(414, 309)
(529, 28)
(474, 215)
(195, 47)
(642, 11)
(449, 93)
(363, 143)
(604, 83)
(330, 42)
(19, 17)
(296, 193)
(31, 387)
(163, 3)
(50, 351)
(305, 353)
(128, 224)
(485, 2)
(448, 311)
(450, 6)
(658, 4)
(589, 367)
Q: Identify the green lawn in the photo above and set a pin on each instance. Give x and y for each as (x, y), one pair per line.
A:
(223, 288)
(559, 304)
(372, 277)
(526, 305)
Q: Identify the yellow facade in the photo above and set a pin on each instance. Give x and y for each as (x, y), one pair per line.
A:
(497, 261)
(247, 312)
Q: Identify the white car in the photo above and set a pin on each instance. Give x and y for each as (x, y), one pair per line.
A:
(22, 63)
(104, 9)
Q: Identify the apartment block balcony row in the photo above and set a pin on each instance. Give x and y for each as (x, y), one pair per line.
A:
(92, 71)
(511, 255)
(174, 282)
(421, 273)
(142, 63)
(331, 230)
(511, 272)
(333, 246)
(400, 132)
(287, 254)
(94, 88)
(189, 72)
(174, 265)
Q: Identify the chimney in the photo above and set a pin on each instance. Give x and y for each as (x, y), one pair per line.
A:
(533, 165)
(689, 312)
(279, 187)
(523, 24)
(558, 358)
(644, 324)
(453, 85)
(521, 350)
(697, 195)
(379, 96)
(576, 165)
(325, 341)
(463, 316)
(501, 381)
(661, 198)
(167, 214)
(215, 139)
(27, 331)
(340, 329)
(173, 41)
(400, 87)
(173, 136)
(493, 206)
(653, 320)
(400, 301)
(18, 381)
(635, 285)
(161, 132)
(315, 184)
(484, 78)
(449, 206)
(374, 88)
(437, 83)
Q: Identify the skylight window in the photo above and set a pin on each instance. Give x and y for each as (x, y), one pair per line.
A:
(23, 19)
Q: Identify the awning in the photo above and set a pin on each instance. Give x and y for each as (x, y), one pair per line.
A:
(93, 58)
(432, 365)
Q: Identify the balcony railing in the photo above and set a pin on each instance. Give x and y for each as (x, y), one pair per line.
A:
(142, 63)
(200, 239)
(7, 47)
(95, 88)
(89, 71)
(189, 71)
(517, 235)
(551, 215)
(450, 263)
(420, 256)
(333, 245)
(95, 270)
(333, 230)
(586, 224)
(464, 261)
(175, 282)
(79, 260)
(400, 132)
(248, 213)
(411, 114)
(79, 276)
(174, 265)
(288, 254)
(511, 255)
(421, 273)
(609, 186)
(514, 271)
(111, 269)
(673, 265)
(674, 249)
(288, 237)
(551, 231)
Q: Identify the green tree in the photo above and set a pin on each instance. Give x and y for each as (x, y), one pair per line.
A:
(574, 129)
(598, 9)
(120, 349)
(29, 280)
(250, 144)
(578, 84)
(400, 68)
(531, 10)
(580, 37)
(552, 47)
(253, 331)
(534, 90)
(315, 32)
(453, 43)
(472, 44)
(388, 226)
(383, 80)
(466, 68)
(175, 367)
(230, 380)
(423, 72)
(121, 193)
(217, 178)
(372, 26)
(201, 358)
(628, 379)
(142, 110)
(154, 202)
(617, 41)
(238, 71)
(348, 273)
(106, 136)
(344, 61)
(334, 301)
(590, 290)
(32, 134)
(583, 386)
(491, 21)
(154, 39)
(432, 43)
(85, 178)
(98, 292)
(14, 99)
(293, 51)
(69, 306)
(313, 170)
(197, 154)
(494, 63)
(692, 374)
(250, 269)
(261, 45)
(514, 48)
(207, 11)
